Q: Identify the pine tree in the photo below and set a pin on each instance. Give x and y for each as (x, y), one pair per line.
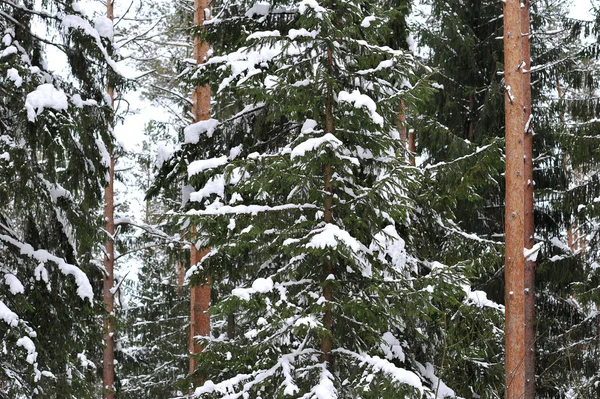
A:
(54, 136)
(464, 49)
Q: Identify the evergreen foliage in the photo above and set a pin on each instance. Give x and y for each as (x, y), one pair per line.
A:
(54, 132)
(469, 105)
(260, 171)
(153, 348)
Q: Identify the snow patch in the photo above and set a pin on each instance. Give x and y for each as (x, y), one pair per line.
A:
(192, 132)
(205, 164)
(14, 285)
(314, 143)
(215, 185)
(330, 236)
(367, 21)
(13, 74)
(263, 34)
(27, 344)
(45, 96)
(79, 102)
(362, 100)
(294, 33)
(104, 26)
(8, 315)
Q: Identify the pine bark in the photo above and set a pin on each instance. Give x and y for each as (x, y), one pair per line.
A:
(412, 147)
(199, 307)
(326, 340)
(402, 125)
(519, 187)
(529, 275)
(108, 361)
(200, 294)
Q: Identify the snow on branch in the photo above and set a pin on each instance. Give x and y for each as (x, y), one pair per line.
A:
(151, 230)
(230, 386)
(477, 151)
(201, 165)
(362, 100)
(84, 288)
(248, 209)
(8, 315)
(380, 365)
(469, 236)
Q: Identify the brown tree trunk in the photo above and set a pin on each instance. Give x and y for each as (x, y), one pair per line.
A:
(412, 147)
(402, 125)
(529, 275)
(108, 367)
(326, 340)
(200, 294)
(199, 306)
(518, 154)
(108, 362)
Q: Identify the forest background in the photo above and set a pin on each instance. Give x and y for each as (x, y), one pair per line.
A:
(447, 341)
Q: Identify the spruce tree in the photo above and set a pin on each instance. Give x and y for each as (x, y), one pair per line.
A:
(152, 356)
(54, 135)
(462, 38)
(321, 286)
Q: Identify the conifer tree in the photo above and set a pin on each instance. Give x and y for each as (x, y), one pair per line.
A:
(464, 49)
(54, 139)
(152, 356)
(307, 208)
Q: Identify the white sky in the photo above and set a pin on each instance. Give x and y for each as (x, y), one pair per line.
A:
(581, 9)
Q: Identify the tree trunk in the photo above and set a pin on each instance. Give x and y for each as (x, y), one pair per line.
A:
(518, 154)
(199, 306)
(402, 126)
(529, 275)
(412, 147)
(326, 340)
(108, 363)
(200, 294)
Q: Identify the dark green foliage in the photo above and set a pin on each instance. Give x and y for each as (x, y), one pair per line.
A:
(260, 210)
(52, 171)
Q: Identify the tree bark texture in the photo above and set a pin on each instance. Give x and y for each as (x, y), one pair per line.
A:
(529, 275)
(200, 294)
(519, 212)
(412, 147)
(108, 360)
(326, 340)
(199, 306)
(402, 125)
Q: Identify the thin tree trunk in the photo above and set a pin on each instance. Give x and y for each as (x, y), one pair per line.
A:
(326, 340)
(402, 126)
(108, 362)
(412, 147)
(517, 111)
(529, 275)
(180, 277)
(200, 294)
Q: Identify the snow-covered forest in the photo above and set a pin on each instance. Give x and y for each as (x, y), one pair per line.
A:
(310, 199)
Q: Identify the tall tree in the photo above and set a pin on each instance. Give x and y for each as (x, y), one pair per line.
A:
(153, 357)
(200, 293)
(54, 139)
(519, 380)
(299, 145)
(108, 361)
